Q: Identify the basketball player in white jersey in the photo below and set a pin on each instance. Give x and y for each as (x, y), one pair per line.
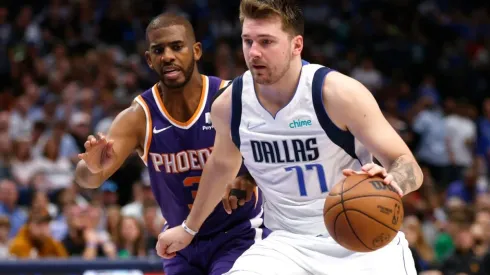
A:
(300, 129)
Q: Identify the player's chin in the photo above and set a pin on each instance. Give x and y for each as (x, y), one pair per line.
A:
(261, 79)
(173, 82)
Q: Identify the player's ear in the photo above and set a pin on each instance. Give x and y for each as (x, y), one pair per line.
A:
(297, 46)
(148, 59)
(197, 48)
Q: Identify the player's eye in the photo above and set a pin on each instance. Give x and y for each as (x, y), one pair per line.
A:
(266, 42)
(176, 47)
(248, 42)
(157, 51)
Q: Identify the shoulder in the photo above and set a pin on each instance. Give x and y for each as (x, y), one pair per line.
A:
(132, 121)
(222, 102)
(343, 88)
(224, 97)
(224, 84)
(346, 100)
(136, 112)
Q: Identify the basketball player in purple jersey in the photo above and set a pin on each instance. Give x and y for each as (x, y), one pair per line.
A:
(170, 128)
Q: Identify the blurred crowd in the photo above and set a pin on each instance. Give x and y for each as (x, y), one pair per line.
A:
(67, 67)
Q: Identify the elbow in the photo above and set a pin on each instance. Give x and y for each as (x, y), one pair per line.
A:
(418, 174)
(420, 178)
(85, 179)
(87, 184)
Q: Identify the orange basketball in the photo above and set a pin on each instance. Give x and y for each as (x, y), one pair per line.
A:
(362, 213)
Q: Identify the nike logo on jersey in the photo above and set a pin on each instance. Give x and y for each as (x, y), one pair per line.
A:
(155, 131)
(255, 125)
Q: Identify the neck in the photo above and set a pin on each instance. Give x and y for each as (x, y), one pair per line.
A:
(283, 90)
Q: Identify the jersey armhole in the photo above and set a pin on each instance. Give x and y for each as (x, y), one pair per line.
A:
(224, 84)
(148, 133)
(236, 110)
(343, 139)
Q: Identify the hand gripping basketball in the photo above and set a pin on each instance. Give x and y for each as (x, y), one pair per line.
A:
(362, 213)
(372, 169)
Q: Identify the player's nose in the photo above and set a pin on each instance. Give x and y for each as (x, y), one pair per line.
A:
(167, 56)
(254, 51)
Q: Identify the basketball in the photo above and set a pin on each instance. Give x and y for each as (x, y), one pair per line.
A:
(362, 213)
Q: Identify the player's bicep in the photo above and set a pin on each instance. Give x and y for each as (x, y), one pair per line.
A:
(126, 131)
(362, 116)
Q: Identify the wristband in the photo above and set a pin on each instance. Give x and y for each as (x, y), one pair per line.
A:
(188, 230)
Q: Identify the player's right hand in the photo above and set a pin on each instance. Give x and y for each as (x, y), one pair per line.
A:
(99, 153)
(171, 241)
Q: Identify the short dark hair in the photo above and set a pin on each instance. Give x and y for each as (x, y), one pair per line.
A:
(170, 19)
(288, 10)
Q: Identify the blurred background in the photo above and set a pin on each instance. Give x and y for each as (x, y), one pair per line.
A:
(67, 67)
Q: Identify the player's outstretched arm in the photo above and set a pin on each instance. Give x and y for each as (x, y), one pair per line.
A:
(221, 168)
(352, 107)
(105, 154)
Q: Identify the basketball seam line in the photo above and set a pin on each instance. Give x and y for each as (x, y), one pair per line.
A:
(396, 231)
(352, 187)
(347, 218)
(362, 196)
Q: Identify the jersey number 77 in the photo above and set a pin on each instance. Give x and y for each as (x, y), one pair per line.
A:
(308, 168)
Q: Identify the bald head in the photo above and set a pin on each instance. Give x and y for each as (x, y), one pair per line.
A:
(165, 20)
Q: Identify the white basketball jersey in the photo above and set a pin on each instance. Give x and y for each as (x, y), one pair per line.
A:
(296, 156)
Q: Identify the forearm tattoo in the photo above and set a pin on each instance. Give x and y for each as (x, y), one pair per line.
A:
(404, 171)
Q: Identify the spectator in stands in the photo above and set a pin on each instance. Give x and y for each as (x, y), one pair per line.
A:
(429, 124)
(130, 238)
(94, 222)
(484, 137)
(480, 247)
(5, 145)
(466, 189)
(20, 124)
(421, 250)
(40, 200)
(8, 206)
(464, 260)
(368, 75)
(461, 134)
(34, 239)
(154, 224)
(4, 237)
(57, 169)
(23, 165)
(80, 241)
(141, 193)
(113, 214)
(110, 195)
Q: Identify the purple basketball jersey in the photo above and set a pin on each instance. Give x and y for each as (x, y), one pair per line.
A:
(175, 153)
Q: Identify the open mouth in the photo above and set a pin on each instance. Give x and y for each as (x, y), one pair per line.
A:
(258, 67)
(171, 72)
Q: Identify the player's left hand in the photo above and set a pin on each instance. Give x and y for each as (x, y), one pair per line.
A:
(171, 241)
(373, 169)
(238, 192)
